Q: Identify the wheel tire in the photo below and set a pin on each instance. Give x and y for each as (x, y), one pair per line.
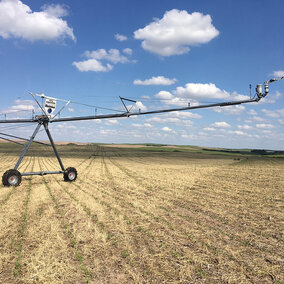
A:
(70, 174)
(12, 178)
(4, 179)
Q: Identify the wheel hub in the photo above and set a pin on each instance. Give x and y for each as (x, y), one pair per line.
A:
(13, 180)
(71, 175)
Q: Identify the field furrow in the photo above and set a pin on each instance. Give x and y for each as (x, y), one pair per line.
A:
(136, 216)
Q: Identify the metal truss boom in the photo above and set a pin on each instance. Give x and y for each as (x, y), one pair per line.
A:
(259, 96)
(128, 114)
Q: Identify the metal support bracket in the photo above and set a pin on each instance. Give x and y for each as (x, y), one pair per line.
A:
(124, 99)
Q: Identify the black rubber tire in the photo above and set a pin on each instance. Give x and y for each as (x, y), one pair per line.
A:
(4, 179)
(12, 178)
(70, 174)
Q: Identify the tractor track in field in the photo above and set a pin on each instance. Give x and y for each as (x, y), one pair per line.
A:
(16, 221)
(24, 225)
(173, 228)
(232, 236)
(146, 233)
(198, 205)
(68, 232)
(113, 235)
(128, 222)
(198, 184)
(184, 217)
(111, 178)
(156, 220)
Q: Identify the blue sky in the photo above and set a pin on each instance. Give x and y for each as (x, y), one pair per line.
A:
(162, 53)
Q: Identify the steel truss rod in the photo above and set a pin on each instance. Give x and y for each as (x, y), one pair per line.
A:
(13, 136)
(18, 120)
(10, 140)
(43, 173)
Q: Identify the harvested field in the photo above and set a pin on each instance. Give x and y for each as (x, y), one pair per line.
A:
(143, 217)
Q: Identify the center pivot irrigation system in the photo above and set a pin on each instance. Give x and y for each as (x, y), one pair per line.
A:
(13, 177)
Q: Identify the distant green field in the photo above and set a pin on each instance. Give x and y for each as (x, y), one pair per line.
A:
(72, 149)
(215, 151)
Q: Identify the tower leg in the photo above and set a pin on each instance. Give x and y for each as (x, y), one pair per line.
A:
(28, 146)
(45, 124)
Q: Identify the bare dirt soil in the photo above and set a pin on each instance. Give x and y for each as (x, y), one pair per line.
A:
(140, 217)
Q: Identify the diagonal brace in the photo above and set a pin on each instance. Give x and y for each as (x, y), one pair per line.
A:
(124, 99)
(28, 146)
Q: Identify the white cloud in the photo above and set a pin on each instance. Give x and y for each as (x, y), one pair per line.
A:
(71, 109)
(20, 106)
(175, 32)
(163, 119)
(171, 118)
(274, 113)
(113, 55)
(271, 98)
(192, 136)
(279, 73)
(258, 118)
(192, 92)
(146, 97)
(120, 37)
(127, 51)
(159, 80)
(109, 132)
(184, 114)
(167, 129)
(206, 91)
(55, 10)
(221, 124)
(231, 110)
(94, 58)
(209, 129)
(112, 122)
(66, 126)
(92, 65)
(164, 95)
(264, 126)
(266, 131)
(144, 125)
(252, 112)
(139, 106)
(245, 127)
(169, 99)
(242, 133)
(19, 21)
(238, 132)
